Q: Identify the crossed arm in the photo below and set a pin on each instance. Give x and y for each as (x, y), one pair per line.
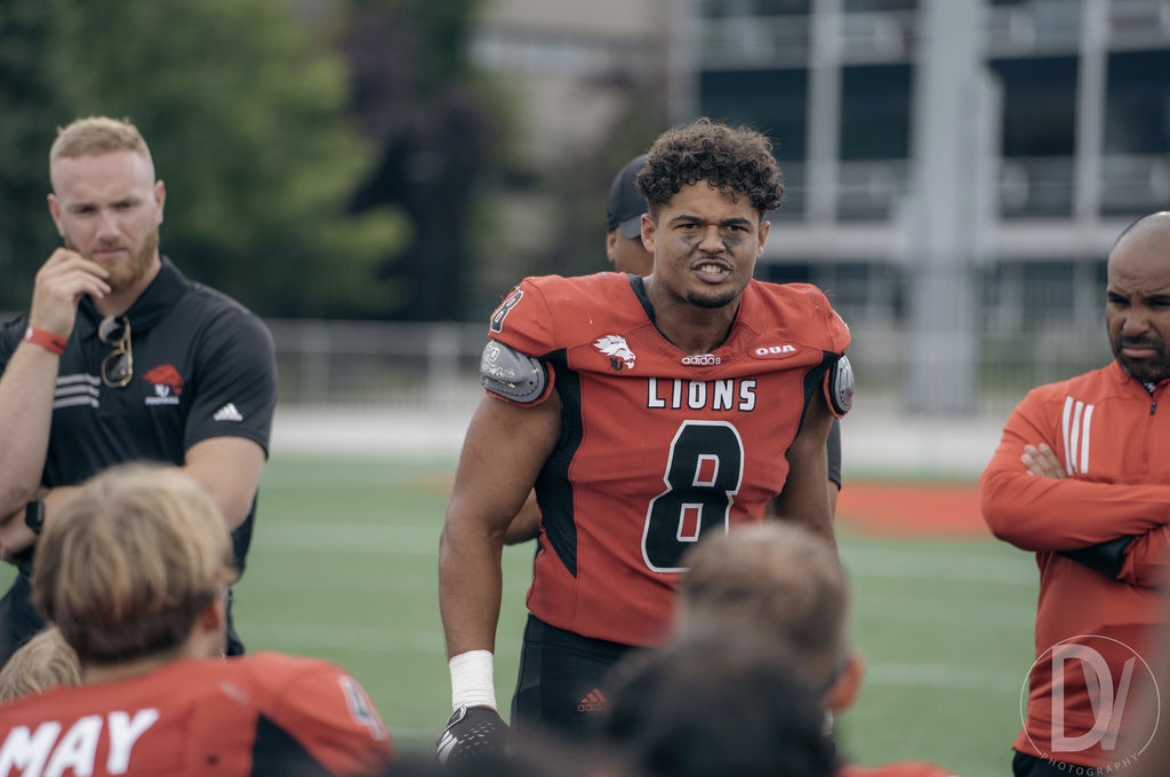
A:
(1140, 560)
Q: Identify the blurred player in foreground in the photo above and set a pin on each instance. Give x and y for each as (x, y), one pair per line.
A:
(44, 662)
(786, 586)
(134, 571)
(716, 704)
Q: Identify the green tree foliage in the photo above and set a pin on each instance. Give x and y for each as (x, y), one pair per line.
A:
(435, 123)
(246, 114)
(28, 112)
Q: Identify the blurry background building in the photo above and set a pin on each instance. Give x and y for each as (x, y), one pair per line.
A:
(957, 169)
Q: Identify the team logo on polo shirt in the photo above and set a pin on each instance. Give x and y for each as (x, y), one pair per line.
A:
(167, 384)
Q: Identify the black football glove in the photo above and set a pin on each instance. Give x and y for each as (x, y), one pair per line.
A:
(471, 732)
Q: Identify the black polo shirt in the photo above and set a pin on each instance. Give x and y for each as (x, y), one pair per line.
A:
(204, 366)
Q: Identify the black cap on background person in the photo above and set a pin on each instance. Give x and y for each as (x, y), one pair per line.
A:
(623, 243)
(626, 206)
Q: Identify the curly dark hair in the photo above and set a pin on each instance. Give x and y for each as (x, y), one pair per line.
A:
(734, 160)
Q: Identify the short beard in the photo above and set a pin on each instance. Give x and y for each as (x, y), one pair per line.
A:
(1147, 371)
(711, 303)
(128, 274)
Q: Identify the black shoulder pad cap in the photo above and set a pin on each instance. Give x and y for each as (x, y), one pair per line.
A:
(513, 375)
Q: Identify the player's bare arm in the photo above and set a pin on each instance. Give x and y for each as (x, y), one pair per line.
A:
(229, 468)
(26, 386)
(503, 452)
(804, 498)
(11, 536)
(526, 525)
(16, 536)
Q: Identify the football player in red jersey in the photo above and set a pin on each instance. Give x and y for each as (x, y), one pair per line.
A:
(646, 411)
(134, 572)
(787, 587)
(625, 251)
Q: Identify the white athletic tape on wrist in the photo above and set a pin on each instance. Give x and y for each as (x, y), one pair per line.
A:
(471, 680)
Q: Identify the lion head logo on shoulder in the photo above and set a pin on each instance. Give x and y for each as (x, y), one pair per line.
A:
(619, 353)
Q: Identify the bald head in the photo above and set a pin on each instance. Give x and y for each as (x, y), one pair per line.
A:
(1137, 309)
(1147, 227)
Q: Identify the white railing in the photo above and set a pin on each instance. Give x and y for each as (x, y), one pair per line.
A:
(433, 368)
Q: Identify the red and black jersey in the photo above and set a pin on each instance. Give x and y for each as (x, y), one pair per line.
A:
(1093, 633)
(657, 445)
(266, 714)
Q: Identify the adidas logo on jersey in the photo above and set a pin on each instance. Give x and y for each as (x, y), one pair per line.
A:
(594, 701)
(228, 413)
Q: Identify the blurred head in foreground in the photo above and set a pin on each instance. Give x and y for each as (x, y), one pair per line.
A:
(136, 567)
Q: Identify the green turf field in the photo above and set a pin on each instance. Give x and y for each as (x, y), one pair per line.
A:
(343, 565)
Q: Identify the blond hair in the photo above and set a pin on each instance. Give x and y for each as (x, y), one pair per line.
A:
(96, 135)
(777, 580)
(44, 662)
(126, 566)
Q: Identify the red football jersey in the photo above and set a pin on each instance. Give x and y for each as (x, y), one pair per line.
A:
(265, 714)
(658, 446)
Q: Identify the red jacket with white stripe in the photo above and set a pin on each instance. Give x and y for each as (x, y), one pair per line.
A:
(1113, 437)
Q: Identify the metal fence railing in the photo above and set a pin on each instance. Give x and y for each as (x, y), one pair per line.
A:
(433, 367)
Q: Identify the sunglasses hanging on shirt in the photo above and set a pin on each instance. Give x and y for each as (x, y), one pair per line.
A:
(118, 366)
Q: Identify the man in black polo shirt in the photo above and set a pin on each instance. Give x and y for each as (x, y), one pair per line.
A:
(121, 358)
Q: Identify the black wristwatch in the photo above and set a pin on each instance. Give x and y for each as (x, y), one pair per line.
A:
(34, 516)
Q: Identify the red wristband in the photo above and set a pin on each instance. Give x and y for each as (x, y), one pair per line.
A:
(46, 340)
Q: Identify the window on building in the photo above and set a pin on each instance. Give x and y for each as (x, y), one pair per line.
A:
(1039, 105)
(1137, 111)
(771, 101)
(875, 112)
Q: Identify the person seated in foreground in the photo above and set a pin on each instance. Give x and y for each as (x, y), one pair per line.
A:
(44, 662)
(785, 585)
(134, 571)
(713, 704)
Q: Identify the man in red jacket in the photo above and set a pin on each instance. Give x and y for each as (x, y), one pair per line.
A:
(134, 571)
(1081, 478)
